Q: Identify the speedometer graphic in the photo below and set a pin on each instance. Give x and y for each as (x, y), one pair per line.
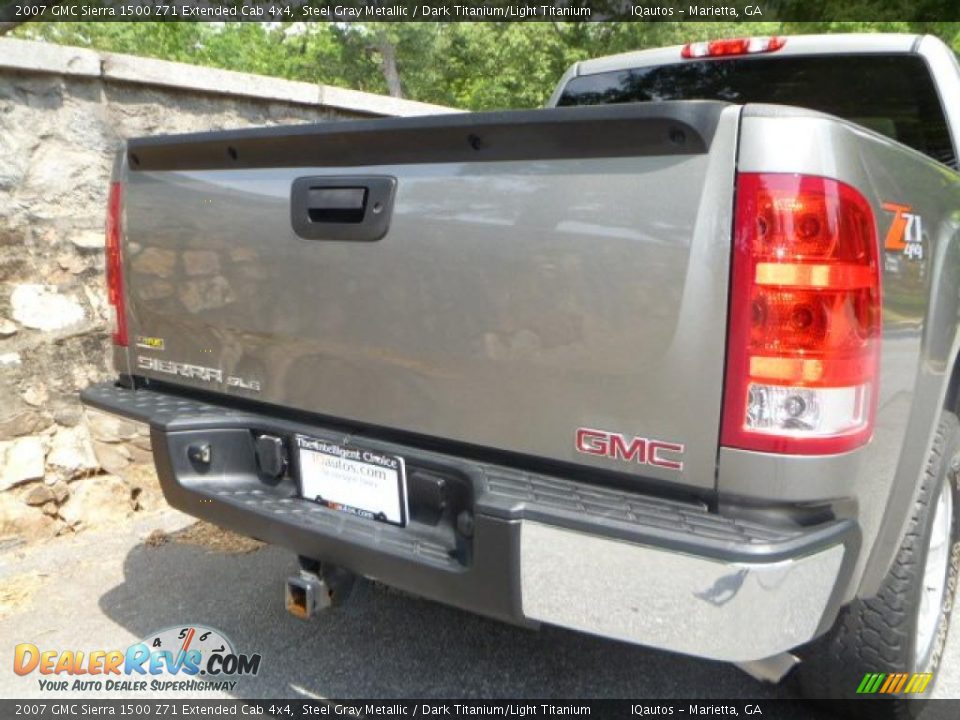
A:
(184, 638)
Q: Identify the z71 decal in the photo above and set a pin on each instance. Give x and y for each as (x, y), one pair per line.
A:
(906, 231)
(644, 451)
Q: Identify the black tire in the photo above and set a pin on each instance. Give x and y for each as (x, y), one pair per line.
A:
(879, 635)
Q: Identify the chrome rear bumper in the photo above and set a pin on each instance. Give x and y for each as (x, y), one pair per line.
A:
(732, 611)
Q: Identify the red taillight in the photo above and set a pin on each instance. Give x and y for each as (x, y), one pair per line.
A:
(115, 264)
(804, 342)
(732, 46)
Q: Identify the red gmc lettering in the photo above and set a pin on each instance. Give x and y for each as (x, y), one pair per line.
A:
(619, 449)
(656, 446)
(636, 449)
(591, 442)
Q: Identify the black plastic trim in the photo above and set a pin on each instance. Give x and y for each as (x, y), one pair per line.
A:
(667, 128)
(489, 585)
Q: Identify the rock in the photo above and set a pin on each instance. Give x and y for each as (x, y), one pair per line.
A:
(109, 428)
(68, 415)
(112, 458)
(83, 375)
(16, 160)
(71, 263)
(38, 495)
(97, 297)
(25, 523)
(51, 509)
(71, 454)
(14, 266)
(42, 307)
(61, 491)
(9, 395)
(10, 234)
(7, 328)
(98, 501)
(21, 460)
(24, 423)
(144, 487)
(58, 171)
(10, 360)
(89, 239)
(142, 441)
(139, 455)
(35, 395)
(201, 262)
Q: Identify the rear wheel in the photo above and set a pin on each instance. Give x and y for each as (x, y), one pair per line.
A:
(903, 629)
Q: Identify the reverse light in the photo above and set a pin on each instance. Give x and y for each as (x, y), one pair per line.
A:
(804, 338)
(114, 264)
(732, 46)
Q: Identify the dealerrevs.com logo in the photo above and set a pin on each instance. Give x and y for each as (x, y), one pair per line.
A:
(184, 658)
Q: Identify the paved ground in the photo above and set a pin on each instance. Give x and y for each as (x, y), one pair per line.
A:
(103, 590)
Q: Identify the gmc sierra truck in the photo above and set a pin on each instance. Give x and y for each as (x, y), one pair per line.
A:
(673, 360)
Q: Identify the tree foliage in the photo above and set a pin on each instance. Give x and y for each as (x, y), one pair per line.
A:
(476, 66)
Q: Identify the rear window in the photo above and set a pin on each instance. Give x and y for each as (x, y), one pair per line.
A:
(891, 94)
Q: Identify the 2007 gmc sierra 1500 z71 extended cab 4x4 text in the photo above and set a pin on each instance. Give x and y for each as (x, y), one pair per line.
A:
(672, 361)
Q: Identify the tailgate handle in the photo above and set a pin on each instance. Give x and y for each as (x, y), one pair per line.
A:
(342, 208)
(345, 205)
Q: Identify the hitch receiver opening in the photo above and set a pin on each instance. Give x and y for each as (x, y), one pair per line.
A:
(306, 594)
(316, 588)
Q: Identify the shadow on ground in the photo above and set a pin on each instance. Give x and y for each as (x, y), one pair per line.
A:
(384, 644)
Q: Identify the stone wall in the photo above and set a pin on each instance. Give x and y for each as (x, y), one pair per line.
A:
(63, 112)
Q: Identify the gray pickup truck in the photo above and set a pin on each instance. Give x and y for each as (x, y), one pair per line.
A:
(671, 361)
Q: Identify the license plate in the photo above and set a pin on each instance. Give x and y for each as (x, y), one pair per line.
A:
(353, 480)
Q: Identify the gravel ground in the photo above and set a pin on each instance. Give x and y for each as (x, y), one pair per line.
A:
(107, 590)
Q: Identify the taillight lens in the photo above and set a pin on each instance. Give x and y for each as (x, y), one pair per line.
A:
(804, 340)
(732, 46)
(115, 264)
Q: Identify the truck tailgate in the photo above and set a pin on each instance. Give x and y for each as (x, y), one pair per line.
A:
(541, 272)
